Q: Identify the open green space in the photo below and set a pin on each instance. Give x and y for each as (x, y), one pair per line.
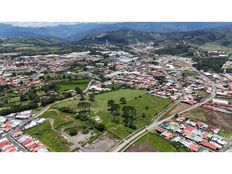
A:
(187, 73)
(156, 143)
(210, 46)
(53, 140)
(56, 123)
(72, 84)
(143, 103)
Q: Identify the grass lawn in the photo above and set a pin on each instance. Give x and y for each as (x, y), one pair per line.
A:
(189, 73)
(60, 119)
(155, 143)
(99, 108)
(13, 99)
(2, 108)
(49, 137)
(82, 84)
(154, 104)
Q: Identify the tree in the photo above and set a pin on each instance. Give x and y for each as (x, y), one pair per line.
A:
(115, 108)
(129, 114)
(64, 76)
(78, 90)
(110, 103)
(92, 97)
(21, 83)
(123, 100)
(72, 132)
(143, 115)
(176, 115)
(13, 74)
(68, 95)
(23, 97)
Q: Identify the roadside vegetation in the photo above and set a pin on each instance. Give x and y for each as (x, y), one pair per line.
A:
(152, 142)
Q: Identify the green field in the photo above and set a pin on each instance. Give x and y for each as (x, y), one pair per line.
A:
(62, 122)
(53, 140)
(214, 46)
(155, 105)
(189, 73)
(72, 84)
(156, 143)
(137, 98)
(143, 103)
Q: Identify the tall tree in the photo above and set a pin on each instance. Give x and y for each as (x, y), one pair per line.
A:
(110, 103)
(123, 100)
(115, 110)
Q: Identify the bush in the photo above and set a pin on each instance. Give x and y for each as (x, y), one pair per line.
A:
(72, 132)
(66, 110)
(85, 131)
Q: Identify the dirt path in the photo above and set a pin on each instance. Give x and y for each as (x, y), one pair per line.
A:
(75, 145)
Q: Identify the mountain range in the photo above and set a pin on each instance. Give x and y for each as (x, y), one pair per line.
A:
(78, 31)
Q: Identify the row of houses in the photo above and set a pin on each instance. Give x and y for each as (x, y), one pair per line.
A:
(28, 142)
(7, 146)
(195, 136)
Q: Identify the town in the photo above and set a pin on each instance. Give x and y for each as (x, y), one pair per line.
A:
(50, 92)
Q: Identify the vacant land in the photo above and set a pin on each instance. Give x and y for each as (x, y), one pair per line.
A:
(178, 108)
(149, 105)
(154, 143)
(187, 73)
(180, 63)
(72, 84)
(202, 93)
(53, 140)
(58, 124)
(213, 119)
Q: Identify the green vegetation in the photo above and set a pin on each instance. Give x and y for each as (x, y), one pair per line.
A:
(146, 107)
(54, 141)
(72, 84)
(158, 143)
(210, 64)
(187, 73)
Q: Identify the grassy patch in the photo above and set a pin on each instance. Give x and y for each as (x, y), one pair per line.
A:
(72, 84)
(202, 93)
(155, 143)
(187, 73)
(137, 98)
(54, 141)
